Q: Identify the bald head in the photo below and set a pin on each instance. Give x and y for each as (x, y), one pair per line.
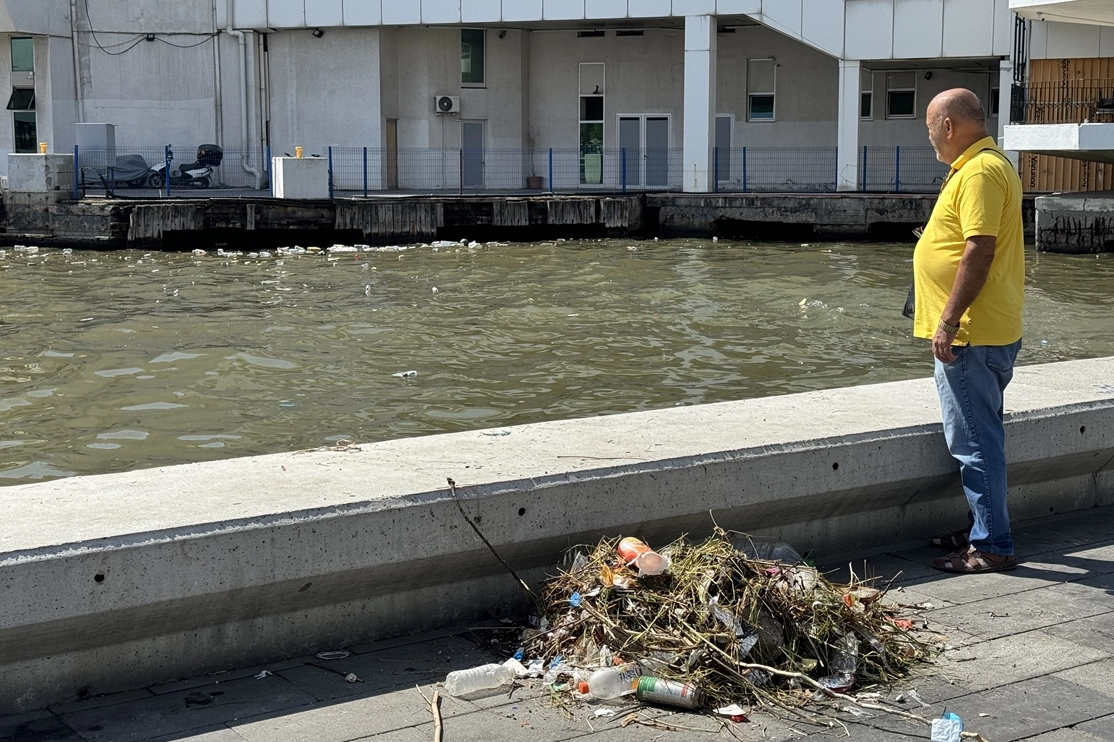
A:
(956, 120)
(960, 105)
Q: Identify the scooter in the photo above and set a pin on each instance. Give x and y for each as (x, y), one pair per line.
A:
(195, 174)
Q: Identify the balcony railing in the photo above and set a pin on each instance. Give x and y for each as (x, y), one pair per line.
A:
(1064, 102)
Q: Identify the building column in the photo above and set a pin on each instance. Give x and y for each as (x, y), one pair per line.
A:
(700, 103)
(1005, 103)
(847, 137)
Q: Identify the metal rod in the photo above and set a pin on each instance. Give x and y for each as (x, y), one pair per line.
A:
(76, 171)
(331, 184)
(623, 161)
(897, 169)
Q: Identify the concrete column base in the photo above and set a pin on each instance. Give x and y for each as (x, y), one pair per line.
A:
(1076, 222)
(40, 174)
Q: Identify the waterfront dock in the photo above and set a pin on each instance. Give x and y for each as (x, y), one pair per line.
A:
(123, 581)
(256, 221)
(1030, 657)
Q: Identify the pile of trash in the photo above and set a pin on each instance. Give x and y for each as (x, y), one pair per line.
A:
(712, 625)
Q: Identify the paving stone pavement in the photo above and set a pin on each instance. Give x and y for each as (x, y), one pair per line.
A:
(1031, 658)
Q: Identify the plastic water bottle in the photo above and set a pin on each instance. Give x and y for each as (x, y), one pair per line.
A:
(463, 682)
(611, 682)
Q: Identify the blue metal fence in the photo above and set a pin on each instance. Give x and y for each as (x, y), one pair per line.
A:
(900, 170)
(776, 169)
(140, 171)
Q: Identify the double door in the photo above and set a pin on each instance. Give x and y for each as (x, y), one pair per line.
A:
(644, 150)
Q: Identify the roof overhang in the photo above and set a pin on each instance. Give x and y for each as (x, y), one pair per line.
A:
(1091, 142)
(1097, 12)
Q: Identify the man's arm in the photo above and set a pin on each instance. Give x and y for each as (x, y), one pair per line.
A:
(974, 267)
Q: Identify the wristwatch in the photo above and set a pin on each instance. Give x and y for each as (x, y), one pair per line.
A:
(950, 329)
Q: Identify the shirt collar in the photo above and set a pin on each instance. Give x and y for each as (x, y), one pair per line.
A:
(974, 149)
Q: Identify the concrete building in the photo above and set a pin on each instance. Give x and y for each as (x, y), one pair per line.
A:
(1065, 110)
(642, 93)
(1065, 115)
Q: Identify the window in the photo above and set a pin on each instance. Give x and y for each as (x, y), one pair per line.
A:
(591, 123)
(760, 89)
(901, 95)
(993, 107)
(23, 55)
(866, 96)
(25, 134)
(472, 57)
(23, 99)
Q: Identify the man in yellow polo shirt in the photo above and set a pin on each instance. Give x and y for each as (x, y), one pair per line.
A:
(969, 275)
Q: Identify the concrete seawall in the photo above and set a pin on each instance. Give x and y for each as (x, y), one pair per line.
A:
(118, 581)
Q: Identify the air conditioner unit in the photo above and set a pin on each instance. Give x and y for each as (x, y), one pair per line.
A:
(446, 104)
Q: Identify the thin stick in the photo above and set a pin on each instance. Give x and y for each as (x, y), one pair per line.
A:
(436, 705)
(519, 580)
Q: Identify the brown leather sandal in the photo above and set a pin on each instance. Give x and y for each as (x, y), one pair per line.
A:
(950, 541)
(973, 561)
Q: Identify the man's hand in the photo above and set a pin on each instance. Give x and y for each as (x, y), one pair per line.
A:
(942, 345)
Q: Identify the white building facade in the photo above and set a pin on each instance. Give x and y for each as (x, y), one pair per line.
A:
(585, 93)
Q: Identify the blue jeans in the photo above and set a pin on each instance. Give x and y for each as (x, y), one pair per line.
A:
(971, 389)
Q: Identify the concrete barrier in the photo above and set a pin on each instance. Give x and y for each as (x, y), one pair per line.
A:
(119, 581)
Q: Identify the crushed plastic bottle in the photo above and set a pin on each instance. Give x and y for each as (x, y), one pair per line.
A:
(607, 683)
(838, 683)
(484, 677)
(845, 655)
(649, 562)
(766, 550)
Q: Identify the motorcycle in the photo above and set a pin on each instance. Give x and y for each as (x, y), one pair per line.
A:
(194, 174)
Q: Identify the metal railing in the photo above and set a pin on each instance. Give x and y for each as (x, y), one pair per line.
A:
(1064, 102)
(140, 172)
(900, 170)
(775, 169)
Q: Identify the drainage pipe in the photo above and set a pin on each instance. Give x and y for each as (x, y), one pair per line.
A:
(239, 36)
(79, 95)
(218, 93)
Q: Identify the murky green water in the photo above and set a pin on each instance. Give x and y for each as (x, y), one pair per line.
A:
(115, 361)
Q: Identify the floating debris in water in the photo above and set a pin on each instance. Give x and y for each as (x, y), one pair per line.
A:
(406, 374)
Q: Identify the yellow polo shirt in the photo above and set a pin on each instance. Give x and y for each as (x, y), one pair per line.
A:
(982, 196)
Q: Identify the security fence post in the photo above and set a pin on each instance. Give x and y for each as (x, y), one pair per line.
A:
(331, 185)
(76, 172)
